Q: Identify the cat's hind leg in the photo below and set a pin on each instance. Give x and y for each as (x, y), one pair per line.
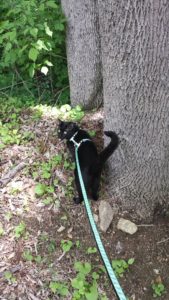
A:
(86, 179)
(95, 188)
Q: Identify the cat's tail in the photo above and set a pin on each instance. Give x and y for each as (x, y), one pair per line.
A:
(111, 147)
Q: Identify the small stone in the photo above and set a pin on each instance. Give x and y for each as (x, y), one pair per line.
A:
(119, 247)
(106, 215)
(61, 228)
(127, 226)
(156, 271)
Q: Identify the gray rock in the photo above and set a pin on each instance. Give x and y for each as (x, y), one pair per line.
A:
(127, 226)
(106, 215)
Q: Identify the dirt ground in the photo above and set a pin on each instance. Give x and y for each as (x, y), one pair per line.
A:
(47, 224)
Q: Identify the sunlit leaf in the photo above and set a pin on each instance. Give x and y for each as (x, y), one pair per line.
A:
(33, 54)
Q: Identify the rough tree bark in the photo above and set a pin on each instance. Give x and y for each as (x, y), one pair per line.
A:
(135, 58)
(83, 52)
(131, 38)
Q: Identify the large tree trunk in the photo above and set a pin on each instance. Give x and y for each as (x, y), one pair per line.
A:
(83, 52)
(132, 39)
(135, 58)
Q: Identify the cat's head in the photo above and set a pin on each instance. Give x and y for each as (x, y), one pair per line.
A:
(66, 129)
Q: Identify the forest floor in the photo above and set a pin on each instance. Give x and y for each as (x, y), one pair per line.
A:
(43, 234)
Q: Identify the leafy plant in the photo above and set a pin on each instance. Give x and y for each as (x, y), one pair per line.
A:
(74, 114)
(38, 259)
(41, 189)
(27, 255)
(78, 245)
(120, 266)
(59, 288)
(158, 289)
(91, 250)
(52, 246)
(85, 283)
(69, 187)
(32, 42)
(48, 200)
(9, 277)
(20, 230)
(9, 134)
(66, 245)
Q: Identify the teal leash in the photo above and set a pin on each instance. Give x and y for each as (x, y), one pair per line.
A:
(101, 248)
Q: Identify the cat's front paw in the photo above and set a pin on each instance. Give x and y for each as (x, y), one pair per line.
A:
(77, 200)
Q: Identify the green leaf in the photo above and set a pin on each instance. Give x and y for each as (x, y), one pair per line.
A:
(40, 189)
(41, 45)
(78, 108)
(66, 245)
(131, 261)
(33, 54)
(47, 201)
(104, 297)
(38, 258)
(95, 275)
(93, 294)
(31, 70)
(59, 26)
(34, 32)
(47, 30)
(53, 286)
(51, 4)
(44, 70)
(50, 189)
(59, 288)
(20, 229)
(78, 244)
(27, 255)
(77, 283)
(8, 275)
(42, 7)
(52, 246)
(46, 175)
(12, 35)
(48, 63)
(8, 46)
(91, 250)
(83, 268)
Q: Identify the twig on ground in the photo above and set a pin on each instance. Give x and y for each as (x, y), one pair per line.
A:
(7, 178)
(163, 241)
(63, 254)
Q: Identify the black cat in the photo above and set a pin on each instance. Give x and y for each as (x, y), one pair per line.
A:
(91, 163)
